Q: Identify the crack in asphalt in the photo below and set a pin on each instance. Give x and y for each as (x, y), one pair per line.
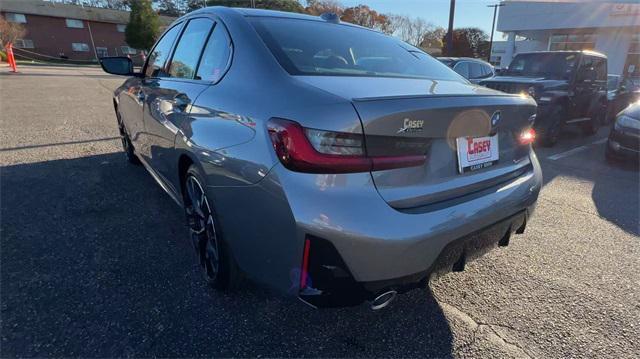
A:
(493, 336)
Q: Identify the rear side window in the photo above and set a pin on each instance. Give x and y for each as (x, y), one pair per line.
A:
(160, 53)
(462, 68)
(476, 70)
(318, 48)
(216, 55)
(486, 71)
(185, 59)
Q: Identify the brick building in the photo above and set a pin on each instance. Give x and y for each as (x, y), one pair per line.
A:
(64, 31)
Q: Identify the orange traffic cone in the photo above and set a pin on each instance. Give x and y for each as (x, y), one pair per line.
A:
(10, 58)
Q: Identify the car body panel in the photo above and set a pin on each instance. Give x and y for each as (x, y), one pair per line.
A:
(445, 120)
(168, 104)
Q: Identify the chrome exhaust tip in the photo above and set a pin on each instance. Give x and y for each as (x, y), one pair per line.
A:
(383, 300)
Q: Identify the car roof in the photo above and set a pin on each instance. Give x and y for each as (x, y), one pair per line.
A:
(449, 58)
(274, 13)
(585, 52)
(249, 12)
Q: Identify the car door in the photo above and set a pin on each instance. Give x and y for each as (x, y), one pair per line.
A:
(583, 88)
(168, 98)
(600, 84)
(153, 70)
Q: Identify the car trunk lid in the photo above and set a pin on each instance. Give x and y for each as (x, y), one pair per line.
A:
(399, 112)
(440, 120)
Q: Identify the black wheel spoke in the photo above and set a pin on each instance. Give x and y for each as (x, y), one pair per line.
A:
(202, 227)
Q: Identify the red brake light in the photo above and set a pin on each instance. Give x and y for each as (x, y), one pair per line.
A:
(527, 136)
(317, 151)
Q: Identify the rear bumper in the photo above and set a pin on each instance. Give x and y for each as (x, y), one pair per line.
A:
(368, 244)
(381, 247)
(335, 287)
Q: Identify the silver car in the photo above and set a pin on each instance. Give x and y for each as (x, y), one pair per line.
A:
(325, 160)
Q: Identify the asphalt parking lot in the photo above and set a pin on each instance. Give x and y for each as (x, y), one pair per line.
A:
(95, 261)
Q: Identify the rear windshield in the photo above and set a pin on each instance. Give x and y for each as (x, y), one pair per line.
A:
(307, 47)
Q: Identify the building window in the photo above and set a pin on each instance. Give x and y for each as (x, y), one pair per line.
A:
(560, 42)
(121, 27)
(23, 44)
(13, 17)
(80, 47)
(126, 50)
(634, 46)
(102, 52)
(74, 23)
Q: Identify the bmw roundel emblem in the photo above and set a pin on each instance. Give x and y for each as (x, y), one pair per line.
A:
(495, 118)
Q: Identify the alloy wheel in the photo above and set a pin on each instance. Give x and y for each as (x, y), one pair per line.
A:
(202, 228)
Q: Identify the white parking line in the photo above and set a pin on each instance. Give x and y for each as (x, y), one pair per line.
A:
(573, 151)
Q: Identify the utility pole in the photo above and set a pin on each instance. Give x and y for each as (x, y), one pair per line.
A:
(452, 10)
(493, 26)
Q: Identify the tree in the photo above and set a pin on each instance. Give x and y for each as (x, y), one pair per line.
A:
(468, 42)
(319, 7)
(173, 8)
(9, 32)
(413, 31)
(143, 26)
(107, 4)
(432, 39)
(365, 16)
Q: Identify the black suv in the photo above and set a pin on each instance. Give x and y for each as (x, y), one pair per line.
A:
(570, 87)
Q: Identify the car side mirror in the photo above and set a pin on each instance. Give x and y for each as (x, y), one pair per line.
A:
(117, 65)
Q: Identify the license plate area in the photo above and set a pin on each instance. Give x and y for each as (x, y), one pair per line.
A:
(475, 153)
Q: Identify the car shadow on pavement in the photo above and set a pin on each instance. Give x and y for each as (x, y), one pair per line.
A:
(96, 263)
(616, 185)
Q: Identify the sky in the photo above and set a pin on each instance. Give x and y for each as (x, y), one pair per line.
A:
(469, 13)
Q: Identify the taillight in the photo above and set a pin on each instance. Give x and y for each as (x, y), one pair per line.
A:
(317, 151)
(528, 136)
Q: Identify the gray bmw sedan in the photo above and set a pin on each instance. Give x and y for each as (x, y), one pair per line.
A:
(329, 161)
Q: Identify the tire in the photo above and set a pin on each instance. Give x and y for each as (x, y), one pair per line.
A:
(127, 146)
(213, 256)
(598, 118)
(550, 134)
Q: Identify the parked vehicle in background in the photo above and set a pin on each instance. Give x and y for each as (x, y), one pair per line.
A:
(570, 87)
(256, 121)
(613, 83)
(624, 138)
(471, 69)
(625, 94)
